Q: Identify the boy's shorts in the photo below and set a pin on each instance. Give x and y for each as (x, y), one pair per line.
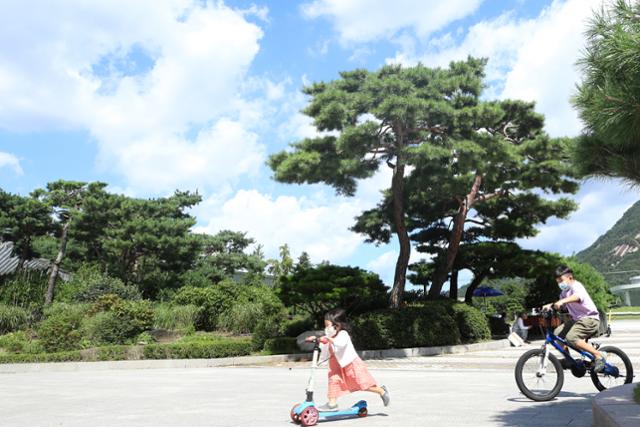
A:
(580, 330)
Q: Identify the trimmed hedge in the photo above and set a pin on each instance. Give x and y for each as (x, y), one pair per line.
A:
(430, 324)
(64, 356)
(427, 325)
(281, 345)
(198, 350)
(472, 323)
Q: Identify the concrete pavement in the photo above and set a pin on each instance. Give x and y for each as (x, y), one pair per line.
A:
(472, 389)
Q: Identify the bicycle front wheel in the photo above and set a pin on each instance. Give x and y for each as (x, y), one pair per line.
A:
(535, 382)
(619, 371)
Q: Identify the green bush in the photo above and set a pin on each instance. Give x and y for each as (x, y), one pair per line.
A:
(89, 283)
(113, 352)
(472, 323)
(211, 302)
(175, 317)
(269, 327)
(65, 356)
(20, 342)
(60, 330)
(241, 318)
(117, 321)
(281, 345)
(426, 325)
(294, 327)
(228, 348)
(13, 318)
(106, 328)
(230, 306)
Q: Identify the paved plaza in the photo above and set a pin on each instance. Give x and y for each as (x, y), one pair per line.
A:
(471, 389)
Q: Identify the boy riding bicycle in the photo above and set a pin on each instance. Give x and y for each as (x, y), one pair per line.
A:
(585, 318)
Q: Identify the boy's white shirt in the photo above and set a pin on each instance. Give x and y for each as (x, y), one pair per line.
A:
(342, 348)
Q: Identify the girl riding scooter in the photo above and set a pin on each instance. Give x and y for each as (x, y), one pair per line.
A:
(347, 372)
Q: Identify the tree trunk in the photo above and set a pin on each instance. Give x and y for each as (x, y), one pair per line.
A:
(55, 268)
(477, 280)
(399, 279)
(454, 241)
(453, 285)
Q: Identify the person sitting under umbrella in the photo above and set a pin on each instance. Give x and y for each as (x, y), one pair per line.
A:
(520, 328)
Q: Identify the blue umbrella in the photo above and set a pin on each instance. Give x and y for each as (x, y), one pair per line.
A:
(486, 291)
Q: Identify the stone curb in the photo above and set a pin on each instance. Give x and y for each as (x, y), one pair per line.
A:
(616, 408)
(12, 368)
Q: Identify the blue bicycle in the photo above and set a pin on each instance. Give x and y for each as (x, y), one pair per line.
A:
(540, 375)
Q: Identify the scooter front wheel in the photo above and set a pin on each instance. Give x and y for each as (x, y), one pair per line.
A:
(536, 383)
(295, 417)
(309, 416)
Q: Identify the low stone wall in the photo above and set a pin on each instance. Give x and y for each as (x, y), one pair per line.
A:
(616, 407)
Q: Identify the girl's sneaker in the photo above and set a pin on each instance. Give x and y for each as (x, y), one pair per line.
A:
(327, 407)
(386, 398)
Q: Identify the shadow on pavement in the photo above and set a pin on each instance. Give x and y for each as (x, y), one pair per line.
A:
(568, 409)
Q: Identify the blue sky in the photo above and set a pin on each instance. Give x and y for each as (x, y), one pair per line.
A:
(152, 96)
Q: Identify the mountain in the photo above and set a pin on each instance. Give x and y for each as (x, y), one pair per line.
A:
(616, 254)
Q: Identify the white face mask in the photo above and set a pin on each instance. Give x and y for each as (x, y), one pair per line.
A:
(330, 331)
(563, 286)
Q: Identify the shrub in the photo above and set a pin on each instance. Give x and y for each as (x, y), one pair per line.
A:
(20, 342)
(294, 327)
(226, 348)
(117, 321)
(231, 306)
(106, 328)
(175, 317)
(265, 328)
(113, 352)
(65, 356)
(316, 290)
(88, 284)
(472, 323)
(241, 318)
(281, 345)
(211, 302)
(13, 318)
(416, 326)
(60, 330)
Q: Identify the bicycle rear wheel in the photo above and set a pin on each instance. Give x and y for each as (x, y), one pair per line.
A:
(617, 359)
(535, 383)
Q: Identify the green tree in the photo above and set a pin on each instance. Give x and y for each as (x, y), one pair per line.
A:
(145, 242)
(66, 199)
(608, 98)
(22, 221)
(222, 256)
(484, 181)
(282, 267)
(316, 290)
(379, 118)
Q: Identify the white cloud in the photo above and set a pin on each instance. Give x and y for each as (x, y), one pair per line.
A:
(10, 161)
(159, 85)
(530, 59)
(319, 228)
(368, 20)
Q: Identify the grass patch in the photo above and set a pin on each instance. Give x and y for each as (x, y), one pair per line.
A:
(636, 394)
